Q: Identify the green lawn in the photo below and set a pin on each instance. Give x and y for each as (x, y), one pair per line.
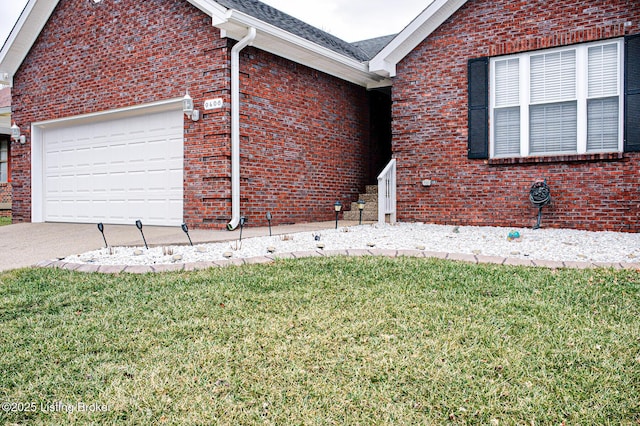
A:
(323, 341)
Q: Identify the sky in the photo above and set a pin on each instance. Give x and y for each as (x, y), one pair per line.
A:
(351, 20)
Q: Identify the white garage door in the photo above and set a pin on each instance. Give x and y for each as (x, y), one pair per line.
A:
(115, 171)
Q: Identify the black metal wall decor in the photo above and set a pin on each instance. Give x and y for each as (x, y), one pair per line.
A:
(540, 196)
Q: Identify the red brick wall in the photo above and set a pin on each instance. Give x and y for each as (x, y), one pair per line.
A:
(303, 140)
(430, 124)
(302, 146)
(302, 135)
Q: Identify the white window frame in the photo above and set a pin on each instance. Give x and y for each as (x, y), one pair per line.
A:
(8, 143)
(581, 98)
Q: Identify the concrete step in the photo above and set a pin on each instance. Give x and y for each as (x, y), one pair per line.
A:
(368, 216)
(370, 212)
(368, 198)
(368, 206)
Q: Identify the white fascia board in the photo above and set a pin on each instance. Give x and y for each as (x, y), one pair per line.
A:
(32, 20)
(297, 49)
(173, 104)
(384, 63)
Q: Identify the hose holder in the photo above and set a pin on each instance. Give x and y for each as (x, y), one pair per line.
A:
(540, 196)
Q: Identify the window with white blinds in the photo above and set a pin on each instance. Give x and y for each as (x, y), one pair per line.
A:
(558, 101)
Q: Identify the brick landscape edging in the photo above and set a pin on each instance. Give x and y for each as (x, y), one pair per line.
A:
(461, 257)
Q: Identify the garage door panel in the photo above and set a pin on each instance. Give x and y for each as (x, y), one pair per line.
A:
(116, 171)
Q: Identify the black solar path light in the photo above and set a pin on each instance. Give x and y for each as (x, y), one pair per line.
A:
(360, 207)
(269, 217)
(101, 229)
(139, 226)
(243, 221)
(337, 207)
(186, 231)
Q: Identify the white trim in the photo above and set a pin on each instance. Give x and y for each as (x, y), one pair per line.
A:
(582, 64)
(37, 148)
(165, 105)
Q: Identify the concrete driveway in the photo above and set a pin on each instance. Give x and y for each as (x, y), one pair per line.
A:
(25, 244)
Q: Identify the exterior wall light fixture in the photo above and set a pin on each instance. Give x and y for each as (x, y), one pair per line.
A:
(187, 108)
(15, 134)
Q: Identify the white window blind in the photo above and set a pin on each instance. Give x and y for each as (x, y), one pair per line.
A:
(602, 106)
(507, 83)
(602, 124)
(507, 131)
(603, 70)
(507, 113)
(553, 76)
(553, 127)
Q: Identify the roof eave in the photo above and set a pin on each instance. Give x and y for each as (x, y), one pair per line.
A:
(300, 50)
(384, 63)
(22, 37)
(234, 23)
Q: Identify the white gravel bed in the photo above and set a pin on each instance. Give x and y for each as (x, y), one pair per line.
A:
(540, 244)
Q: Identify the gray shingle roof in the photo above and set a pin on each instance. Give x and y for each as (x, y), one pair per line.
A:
(374, 45)
(300, 28)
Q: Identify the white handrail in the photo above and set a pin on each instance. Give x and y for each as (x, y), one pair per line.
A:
(387, 193)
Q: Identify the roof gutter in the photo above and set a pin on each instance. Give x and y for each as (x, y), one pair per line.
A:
(235, 127)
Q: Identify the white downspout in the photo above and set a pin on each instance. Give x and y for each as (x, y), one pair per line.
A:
(235, 127)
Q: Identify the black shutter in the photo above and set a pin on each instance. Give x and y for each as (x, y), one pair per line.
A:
(632, 93)
(478, 81)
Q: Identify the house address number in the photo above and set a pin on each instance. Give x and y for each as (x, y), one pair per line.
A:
(213, 104)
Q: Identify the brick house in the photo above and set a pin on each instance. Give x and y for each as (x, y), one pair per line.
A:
(491, 95)
(98, 89)
(292, 119)
(5, 144)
